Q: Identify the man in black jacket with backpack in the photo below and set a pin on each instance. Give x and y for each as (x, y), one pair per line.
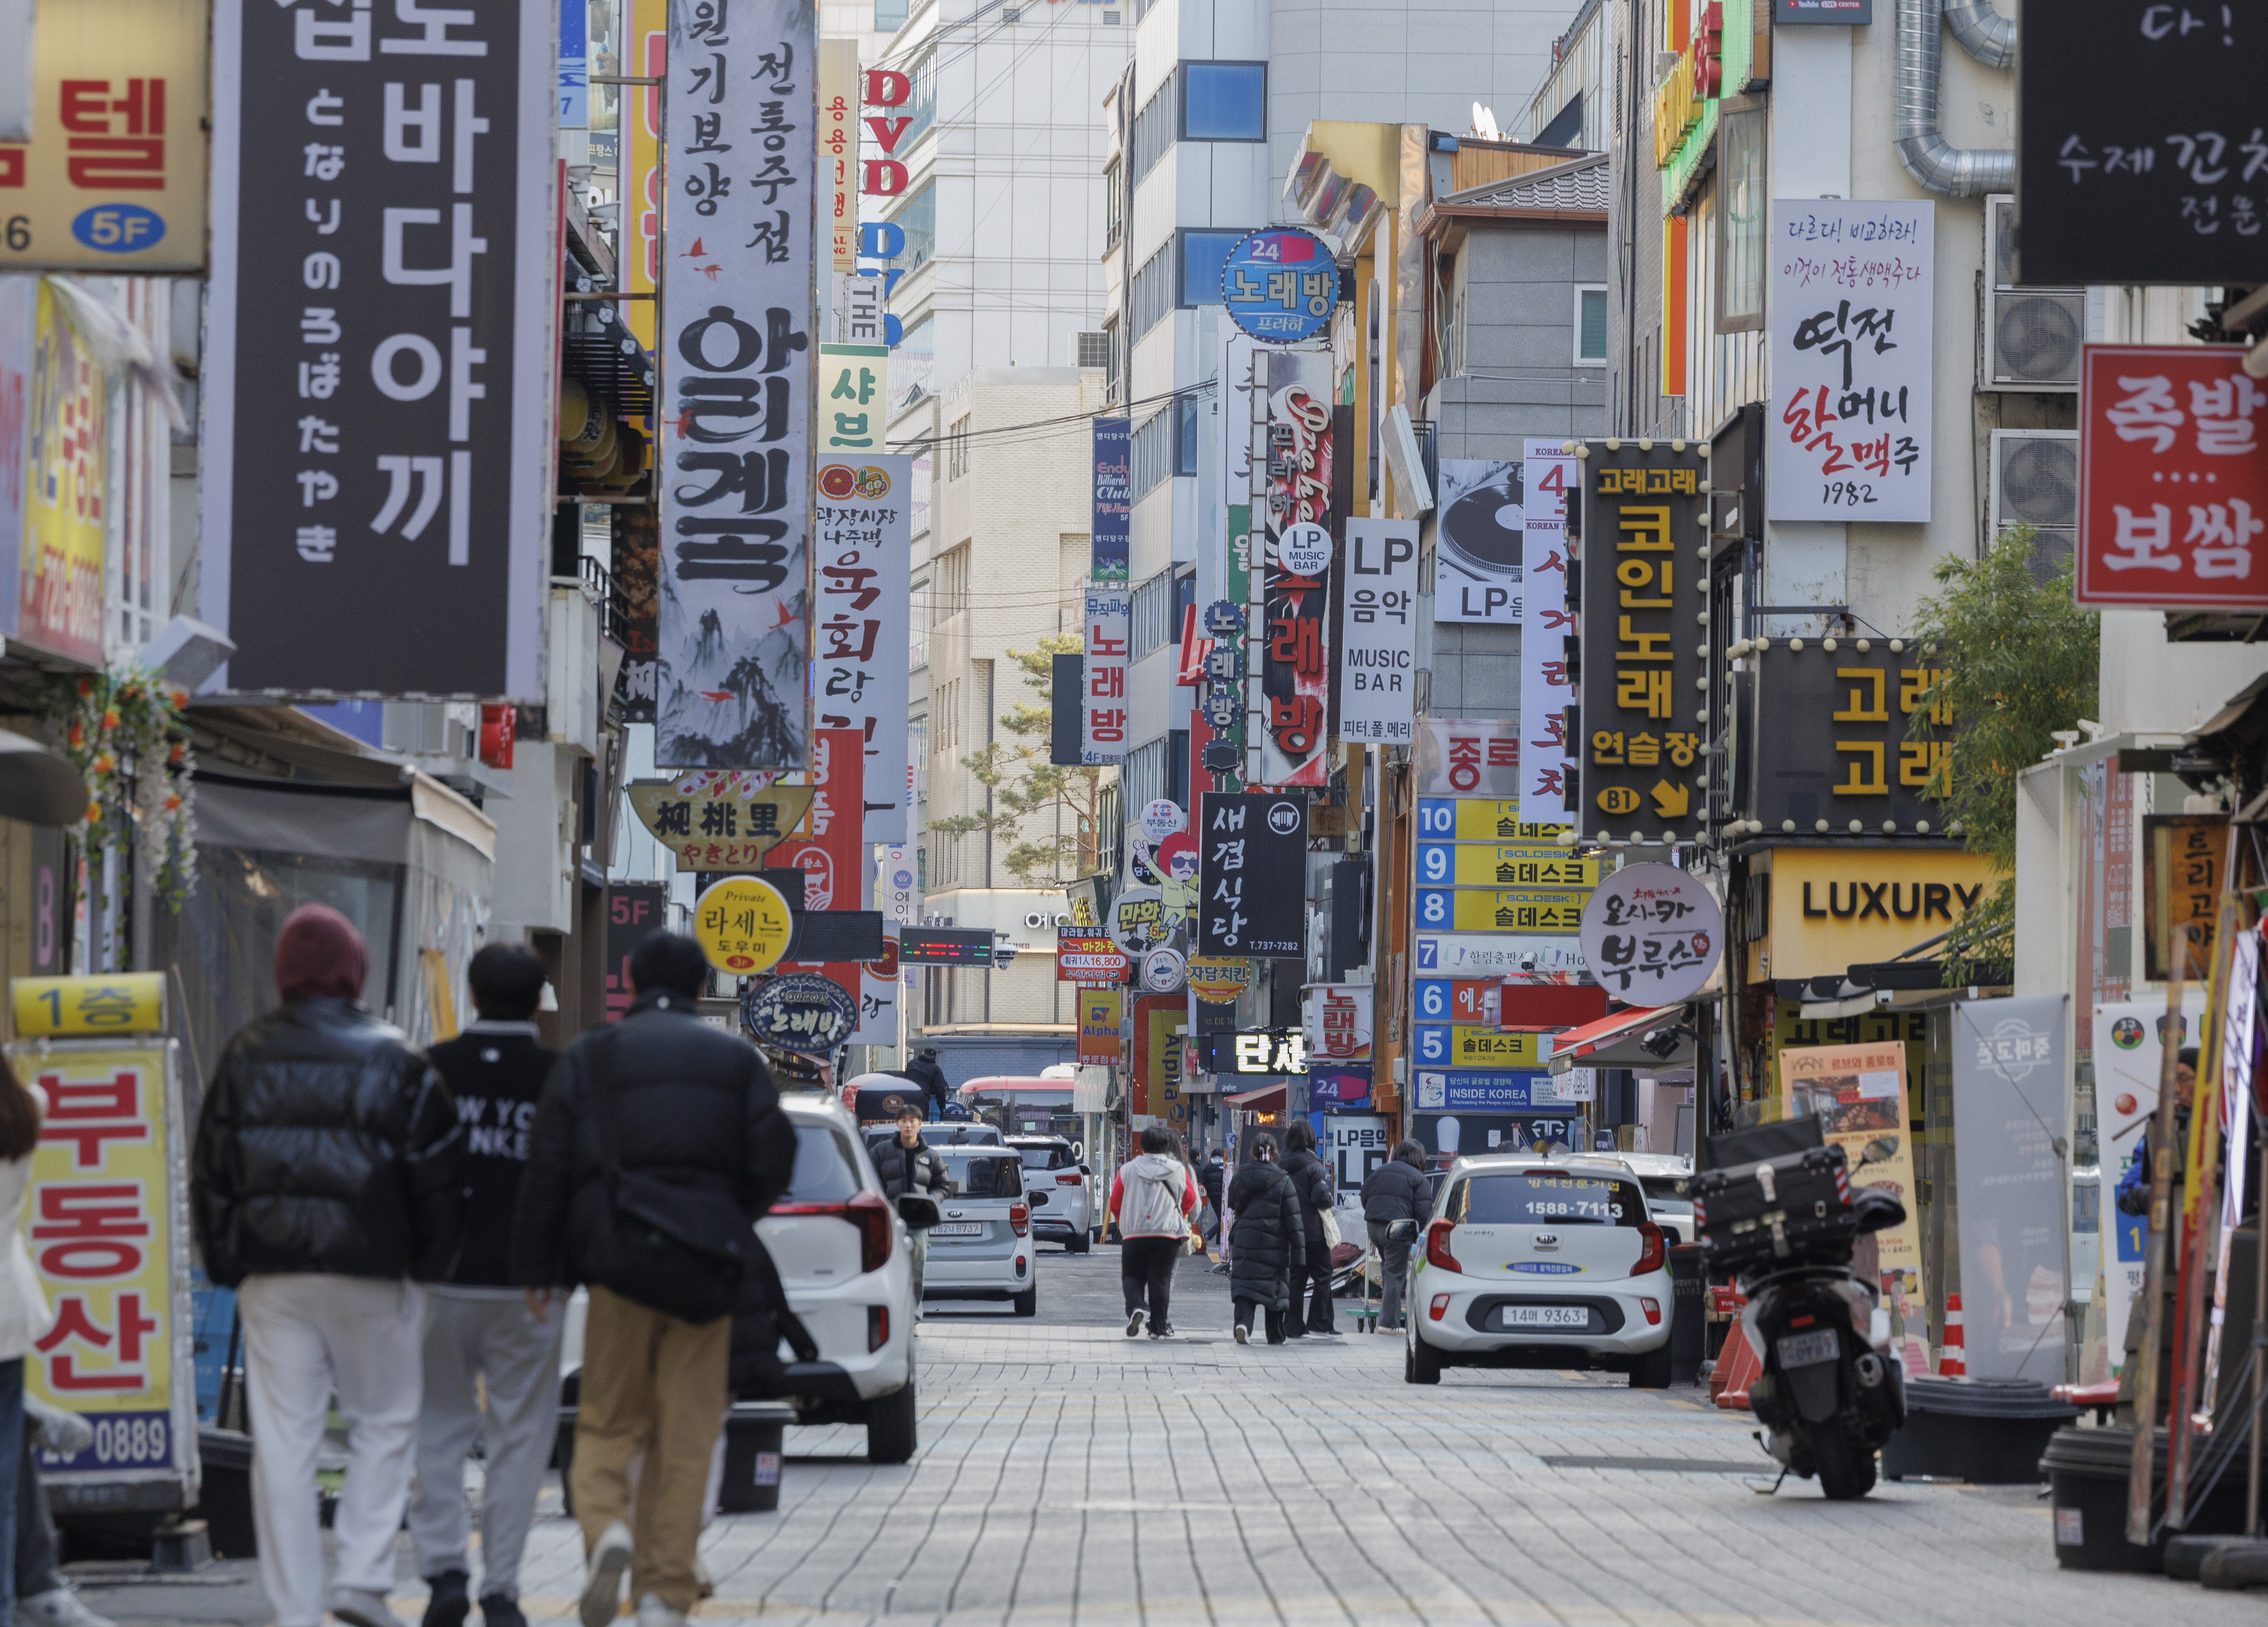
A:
(659, 1143)
(1396, 1190)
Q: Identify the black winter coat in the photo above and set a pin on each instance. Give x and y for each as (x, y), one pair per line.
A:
(326, 1145)
(677, 1099)
(916, 1169)
(1269, 1243)
(1312, 1183)
(1396, 1190)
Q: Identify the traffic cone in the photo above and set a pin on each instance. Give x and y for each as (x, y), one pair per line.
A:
(1953, 1356)
(1737, 1367)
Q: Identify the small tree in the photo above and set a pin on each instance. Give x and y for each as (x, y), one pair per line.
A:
(2022, 662)
(1024, 785)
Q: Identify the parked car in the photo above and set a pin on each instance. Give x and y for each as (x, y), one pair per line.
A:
(1661, 1175)
(982, 1246)
(1540, 1263)
(1059, 1187)
(937, 1135)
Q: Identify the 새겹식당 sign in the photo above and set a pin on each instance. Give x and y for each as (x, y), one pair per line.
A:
(1279, 284)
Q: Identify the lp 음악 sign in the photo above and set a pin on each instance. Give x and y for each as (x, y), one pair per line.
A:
(1378, 639)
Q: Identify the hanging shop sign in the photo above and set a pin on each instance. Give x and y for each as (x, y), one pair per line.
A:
(1653, 934)
(1161, 819)
(1102, 676)
(635, 910)
(1266, 1051)
(380, 342)
(718, 820)
(1483, 1091)
(2131, 158)
(1162, 971)
(1137, 921)
(1694, 81)
(1851, 349)
(110, 178)
(635, 576)
(1482, 537)
(1113, 504)
(1831, 909)
(1449, 1045)
(1471, 757)
(1548, 761)
(2185, 858)
(2173, 481)
(1175, 865)
(1252, 857)
(886, 88)
(1505, 956)
(1280, 284)
(837, 864)
(1085, 956)
(838, 140)
(1337, 1020)
(1292, 671)
(741, 231)
(1497, 864)
(742, 924)
(60, 471)
(861, 522)
(1644, 677)
(1098, 1025)
(800, 1013)
(1378, 637)
(1847, 742)
(645, 43)
(1220, 979)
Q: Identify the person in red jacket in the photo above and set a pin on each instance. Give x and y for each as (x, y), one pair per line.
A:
(1152, 1197)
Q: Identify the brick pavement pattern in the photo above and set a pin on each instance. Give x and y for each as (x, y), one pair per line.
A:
(1070, 1475)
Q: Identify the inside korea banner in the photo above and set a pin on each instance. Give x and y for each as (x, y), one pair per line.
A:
(2173, 485)
(1547, 767)
(1851, 344)
(741, 233)
(1378, 640)
(861, 522)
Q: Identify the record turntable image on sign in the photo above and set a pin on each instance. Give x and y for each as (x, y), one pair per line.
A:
(1483, 532)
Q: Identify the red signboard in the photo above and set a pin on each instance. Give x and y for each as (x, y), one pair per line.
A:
(2173, 479)
(1093, 960)
(832, 857)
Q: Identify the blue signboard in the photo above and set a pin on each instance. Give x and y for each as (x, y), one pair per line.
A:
(1467, 1090)
(1279, 284)
(1114, 499)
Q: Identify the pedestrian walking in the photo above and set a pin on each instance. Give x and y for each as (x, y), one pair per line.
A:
(1396, 1190)
(325, 1183)
(1212, 1175)
(658, 1145)
(483, 1337)
(1151, 1199)
(44, 1595)
(1270, 1241)
(907, 1163)
(926, 1071)
(1312, 1181)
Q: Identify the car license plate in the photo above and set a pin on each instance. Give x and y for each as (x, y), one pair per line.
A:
(1544, 1316)
(963, 1229)
(1808, 1349)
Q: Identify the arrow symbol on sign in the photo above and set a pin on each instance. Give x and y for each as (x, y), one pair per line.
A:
(1671, 801)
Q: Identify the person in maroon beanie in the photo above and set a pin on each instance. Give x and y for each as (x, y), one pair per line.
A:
(324, 1184)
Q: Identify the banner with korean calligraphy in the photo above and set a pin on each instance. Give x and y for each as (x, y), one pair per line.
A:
(1378, 637)
(2173, 482)
(113, 179)
(1642, 668)
(66, 419)
(1292, 668)
(1102, 677)
(108, 1227)
(861, 522)
(1547, 764)
(1851, 349)
(380, 348)
(741, 233)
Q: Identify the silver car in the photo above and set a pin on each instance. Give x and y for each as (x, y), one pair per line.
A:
(1059, 1187)
(1662, 1176)
(982, 1246)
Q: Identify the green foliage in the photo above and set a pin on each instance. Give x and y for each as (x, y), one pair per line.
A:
(2021, 663)
(1024, 783)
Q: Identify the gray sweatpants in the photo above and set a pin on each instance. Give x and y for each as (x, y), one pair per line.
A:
(487, 1333)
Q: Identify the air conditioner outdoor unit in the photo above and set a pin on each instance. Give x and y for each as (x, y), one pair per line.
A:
(2035, 483)
(2032, 335)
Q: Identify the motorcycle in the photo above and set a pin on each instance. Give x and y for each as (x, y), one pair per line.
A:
(1831, 1392)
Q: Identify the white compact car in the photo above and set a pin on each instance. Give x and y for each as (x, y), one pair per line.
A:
(1057, 1186)
(1540, 1263)
(1660, 1175)
(982, 1246)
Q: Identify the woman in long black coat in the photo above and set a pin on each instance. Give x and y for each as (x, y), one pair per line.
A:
(1267, 1245)
(1311, 1180)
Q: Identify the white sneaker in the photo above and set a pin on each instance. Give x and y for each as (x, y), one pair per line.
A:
(1134, 1324)
(360, 1608)
(651, 1612)
(1243, 1333)
(60, 1607)
(602, 1580)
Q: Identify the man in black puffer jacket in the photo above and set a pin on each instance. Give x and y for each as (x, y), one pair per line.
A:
(326, 1176)
(1396, 1190)
(1312, 1183)
(687, 1118)
(1266, 1244)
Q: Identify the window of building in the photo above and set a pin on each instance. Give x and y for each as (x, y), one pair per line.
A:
(951, 582)
(1153, 130)
(1113, 203)
(1185, 434)
(1742, 209)
(1591, 327)
(913, 365)
(889, 16)
(1114, 361)
(1150, 295)
(1095, 348)
(956, 449)
(1223, 101)
(1150, 625)
(917, 218)
(1203, 255)
(1151, 457)
(1143, 775)
(921, 101)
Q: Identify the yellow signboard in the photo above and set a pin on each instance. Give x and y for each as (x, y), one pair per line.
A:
(720, 820)
(1491, 1048)
(645, 56)
(1098, 1025)
(1833, 908)
(1518, 912)
(113, 181)
(59, 606)
(1480, 818)
(1218, 977)
(1476, 865)
(742, 924)
(120, 1004)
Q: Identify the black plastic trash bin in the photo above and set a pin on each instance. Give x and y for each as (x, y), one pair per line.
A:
(2086, 1471)
(1987, 1432)
(754, 1431)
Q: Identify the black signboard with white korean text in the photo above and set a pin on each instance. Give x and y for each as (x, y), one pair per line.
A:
(2139, 157)
(379, 351)
(1836, 751)
(1252, 873)
(740, 359)
(1644, 588)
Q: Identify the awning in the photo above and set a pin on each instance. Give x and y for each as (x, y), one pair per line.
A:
(38, 784)
(1619, 1041)
(1266, 1099)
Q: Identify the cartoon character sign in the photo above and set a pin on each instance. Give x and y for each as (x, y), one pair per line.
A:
(1177, 860)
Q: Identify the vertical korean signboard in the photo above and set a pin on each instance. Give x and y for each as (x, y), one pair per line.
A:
(1108, 544)
(830, 851)
(740, 235)
(1642, 670)
(861, 523)
(1547, 764)
(645, 39)
(2173, 483)
(1851, 350)
(1109, 602)
(66, 419)
(1252, 868)
(1378, 640)
(380, 346)
(1290, 671)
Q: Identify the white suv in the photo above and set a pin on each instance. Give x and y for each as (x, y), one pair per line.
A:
(1056, 1183)
(1540, 1263)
